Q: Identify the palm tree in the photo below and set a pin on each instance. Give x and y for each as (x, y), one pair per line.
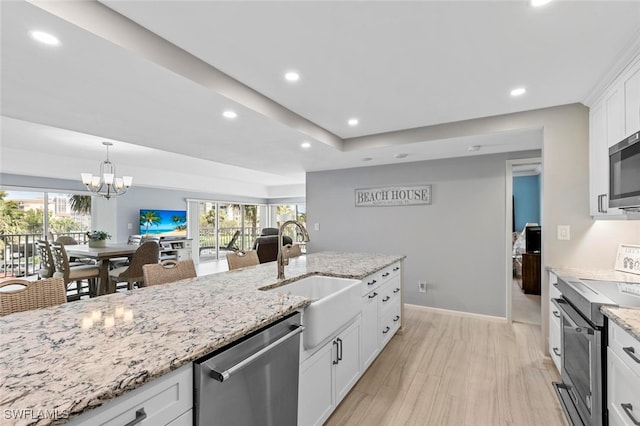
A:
(149, 217)
(80, 204)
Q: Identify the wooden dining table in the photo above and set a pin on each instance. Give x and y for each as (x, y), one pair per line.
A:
(104, 255)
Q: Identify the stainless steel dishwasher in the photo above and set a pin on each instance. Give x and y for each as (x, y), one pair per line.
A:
(253, 381)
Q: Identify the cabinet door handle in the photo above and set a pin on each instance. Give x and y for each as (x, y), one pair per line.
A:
(396, 290)
(600, 203)
(140, 416)
(632, 353)
(339, 349)
(628, 409)
(372, 282)
(385, 275)
(386, 298)
(386, 330)
(556, 351)
(556, 314)
(336, 360)
(396, 268)
(396, 318)
(371, 296)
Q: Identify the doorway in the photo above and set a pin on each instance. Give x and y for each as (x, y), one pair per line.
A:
(524, 226)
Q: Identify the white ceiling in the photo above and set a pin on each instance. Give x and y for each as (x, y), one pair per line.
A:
(393, 65)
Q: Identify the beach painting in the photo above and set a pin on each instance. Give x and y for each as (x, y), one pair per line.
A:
(163, 223)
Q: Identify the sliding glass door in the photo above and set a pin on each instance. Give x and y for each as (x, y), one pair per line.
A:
(225, 227)
(23, 221)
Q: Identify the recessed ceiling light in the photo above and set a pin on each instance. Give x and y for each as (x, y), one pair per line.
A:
(229, 114)
(518, 91)
(367, 159)
(45, 38)
(474, 148)
(292, 76)
(538, 3)
(305, 145)
(401, 155)
(353, 122)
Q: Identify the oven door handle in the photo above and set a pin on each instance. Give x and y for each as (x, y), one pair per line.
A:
(566, 310)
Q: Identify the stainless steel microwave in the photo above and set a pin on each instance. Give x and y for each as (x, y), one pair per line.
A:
(624, 173)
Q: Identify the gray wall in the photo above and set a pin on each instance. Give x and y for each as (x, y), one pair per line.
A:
(456, 244)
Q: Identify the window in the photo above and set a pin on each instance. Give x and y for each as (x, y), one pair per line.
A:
(23, 222)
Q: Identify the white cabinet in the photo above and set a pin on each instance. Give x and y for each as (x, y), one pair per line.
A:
(165, 400)
(328, 375)
(613, 117)
(381, 311)
(370, 327)
(389, 309)
(555, 346)
(631, 87)
(623, 377)
(175, 250)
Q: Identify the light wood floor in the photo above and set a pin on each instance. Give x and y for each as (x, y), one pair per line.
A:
(452, 370)
(524, 307)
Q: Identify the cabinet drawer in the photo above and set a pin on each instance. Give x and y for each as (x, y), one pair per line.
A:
(161, 400)
(371, 283)
(554, 293)
(623, 392)
(625, 346)
(390, 322)
(389, 293)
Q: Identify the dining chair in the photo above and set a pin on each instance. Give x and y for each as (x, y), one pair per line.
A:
(47, 266)
(66, 240)
(74, 273)
(31, 295)
(133, 240)
(147, 253)
(242, 259)
(293, 250)
(168, 271)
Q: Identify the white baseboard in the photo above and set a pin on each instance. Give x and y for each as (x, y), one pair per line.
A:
(456, 313)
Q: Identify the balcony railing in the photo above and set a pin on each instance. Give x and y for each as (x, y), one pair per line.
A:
(19, 254)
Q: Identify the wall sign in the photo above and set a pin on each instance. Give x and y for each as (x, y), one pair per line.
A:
(411, 195)
(628, 259)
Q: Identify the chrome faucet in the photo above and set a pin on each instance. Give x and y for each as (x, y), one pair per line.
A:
(282, 260)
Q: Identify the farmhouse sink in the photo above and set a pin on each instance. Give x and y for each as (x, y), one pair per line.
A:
(334, 302)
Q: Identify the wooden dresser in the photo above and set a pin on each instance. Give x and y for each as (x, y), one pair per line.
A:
(531, 273)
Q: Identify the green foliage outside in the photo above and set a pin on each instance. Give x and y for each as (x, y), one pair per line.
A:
(14, 220)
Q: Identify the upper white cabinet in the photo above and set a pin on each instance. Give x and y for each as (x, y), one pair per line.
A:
(613, 116)
(632, 100)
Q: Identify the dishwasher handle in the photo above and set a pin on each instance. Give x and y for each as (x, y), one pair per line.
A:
(225, 375)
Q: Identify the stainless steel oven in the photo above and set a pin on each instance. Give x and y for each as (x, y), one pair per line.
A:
(581, 391)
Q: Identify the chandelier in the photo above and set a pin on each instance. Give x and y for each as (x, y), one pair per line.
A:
(106, 184)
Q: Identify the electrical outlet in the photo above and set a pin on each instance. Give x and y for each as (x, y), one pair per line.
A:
(564, 232)
(129, 226)
(422, 286)
(316, 226)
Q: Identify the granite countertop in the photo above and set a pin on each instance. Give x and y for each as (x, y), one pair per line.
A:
(80, 355)
(597, 274)
(626, 317)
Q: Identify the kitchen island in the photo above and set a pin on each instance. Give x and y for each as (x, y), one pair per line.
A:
(72, 358)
